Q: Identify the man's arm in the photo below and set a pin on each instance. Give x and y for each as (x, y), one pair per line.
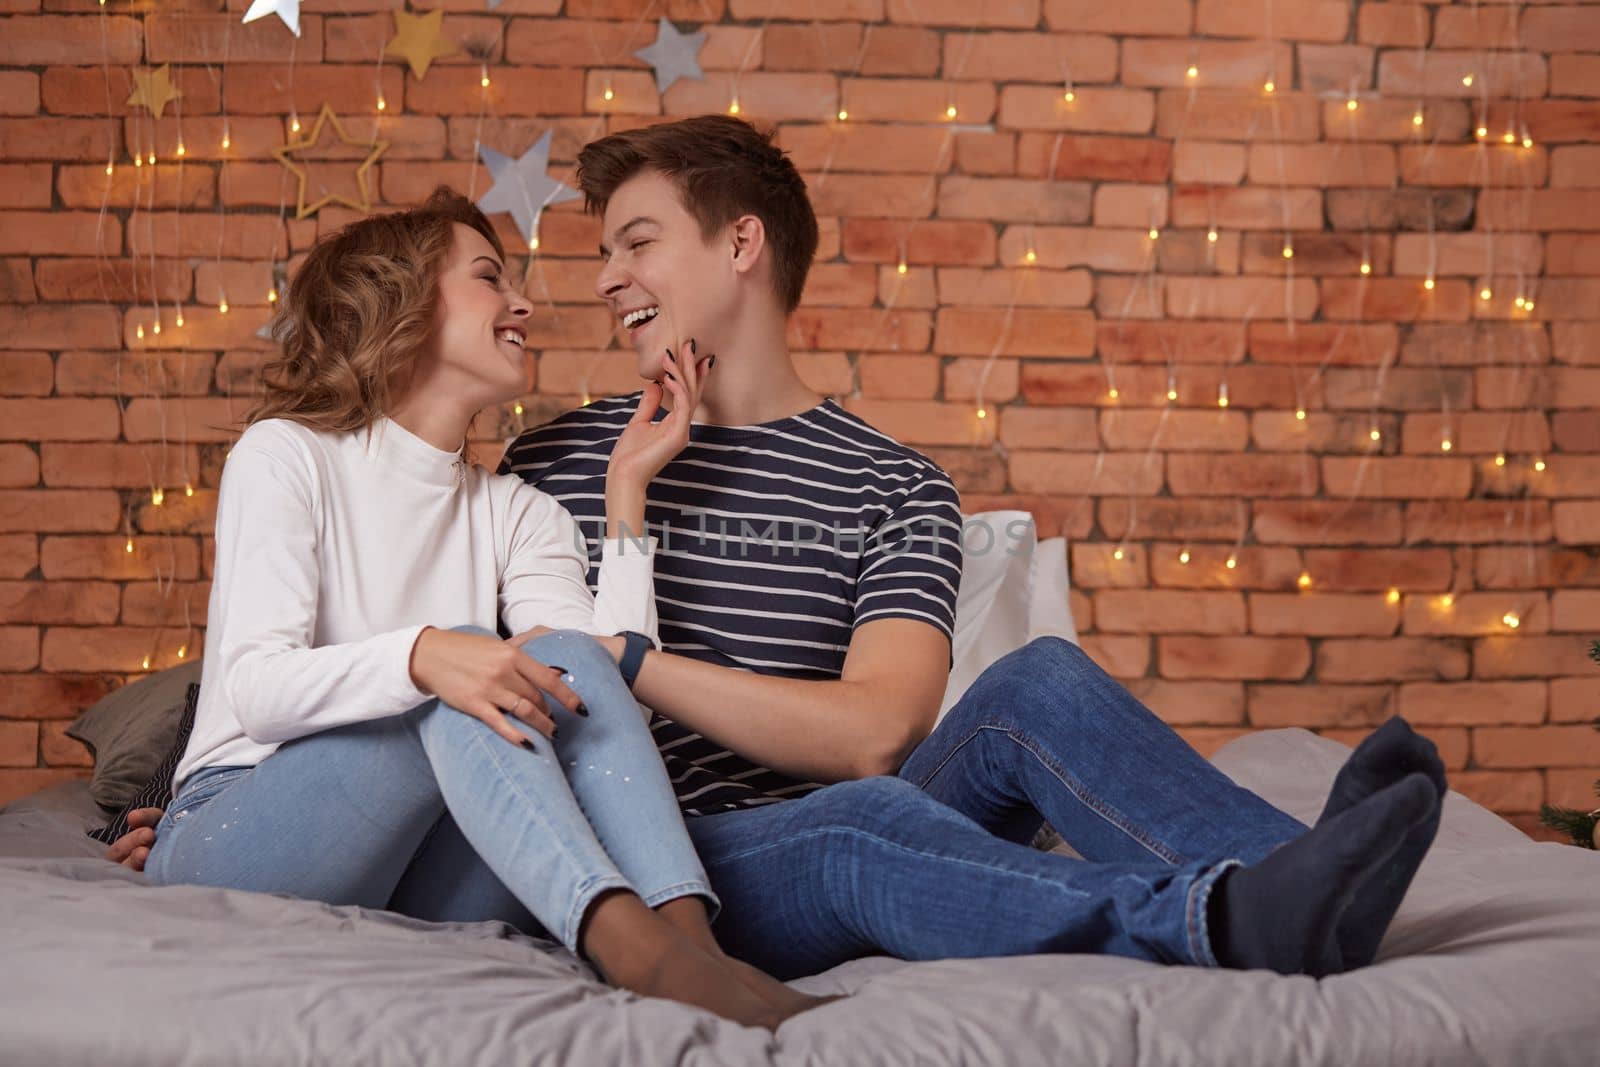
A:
(865, 723)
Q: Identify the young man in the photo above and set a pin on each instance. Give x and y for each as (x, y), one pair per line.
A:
(806, 581)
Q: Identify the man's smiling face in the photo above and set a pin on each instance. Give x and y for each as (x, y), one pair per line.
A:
(663, 281)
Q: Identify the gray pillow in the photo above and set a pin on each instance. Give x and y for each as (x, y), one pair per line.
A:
(128, 731)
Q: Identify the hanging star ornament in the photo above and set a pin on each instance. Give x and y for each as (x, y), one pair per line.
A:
(153, 90)
(674, 55)
(287, 10)
(417, 40)
(522, 188)
(284, 153)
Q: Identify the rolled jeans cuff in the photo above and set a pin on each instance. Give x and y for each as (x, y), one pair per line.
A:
(696, 888)
(1197, 925)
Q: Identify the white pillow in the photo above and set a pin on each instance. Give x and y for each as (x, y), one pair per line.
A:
(1013, 589)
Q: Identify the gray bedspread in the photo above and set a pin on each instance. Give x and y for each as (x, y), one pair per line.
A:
(1495, 959)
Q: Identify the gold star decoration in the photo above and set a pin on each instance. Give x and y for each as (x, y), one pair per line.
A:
(417, 40)
(301, 169)
(153, 90)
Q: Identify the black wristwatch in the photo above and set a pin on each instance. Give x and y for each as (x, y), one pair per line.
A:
(635, 645)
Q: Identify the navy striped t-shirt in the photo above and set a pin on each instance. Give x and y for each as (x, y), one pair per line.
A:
(774, 542)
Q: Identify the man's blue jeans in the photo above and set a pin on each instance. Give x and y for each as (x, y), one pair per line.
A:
(935, 863)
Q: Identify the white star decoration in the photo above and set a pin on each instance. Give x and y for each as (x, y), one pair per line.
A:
(674, 55)
(521, 186)
(287, 10)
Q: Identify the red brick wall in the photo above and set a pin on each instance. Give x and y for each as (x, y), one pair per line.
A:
(1032, 287)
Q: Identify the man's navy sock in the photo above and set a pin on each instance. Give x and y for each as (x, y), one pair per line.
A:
(1389, 754)
(1282, 914)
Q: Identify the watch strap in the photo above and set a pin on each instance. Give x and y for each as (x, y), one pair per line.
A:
(635, 645)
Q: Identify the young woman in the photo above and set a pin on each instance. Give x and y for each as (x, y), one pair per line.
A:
(354, 689)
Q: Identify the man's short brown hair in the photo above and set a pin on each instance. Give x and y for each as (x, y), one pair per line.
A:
(723, 168)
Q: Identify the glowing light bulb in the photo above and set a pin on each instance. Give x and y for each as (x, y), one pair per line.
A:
(1069, 96)
(139, 331)
(1509, 137)
(1232, 563)
(1511, 619)
(587, 399)
(1500, 460)
(183, 650)
(1538, 465)
(138, 160)
(1445, 445)
(1031, 256)
(1192, 72)
(1288, 251)
(1485, 293)
(1375, 434)
(1172, 394)
(147, 663)
(1118, 554)
(1466, 79)
(1527, 142)
(1155, 234)
(902, 267)
(1393, 596)
(188, 490)
(227, 142)
(516, 409)
(1183, 557)
(1416, 120)
(1304, 581)
(109, 168)
(179, 321)
(610, 94)
(383, 104)
(128, 547)
(950, 112)
(1428, 284)
(1519, 301)
(1351, 104)
(1482, 132)
(1448, 600)
(272, 295)
(1366, 268)
(983, 413)
(1300, 414)
(158, 497)
(533, 243)
(151, 159)
(155, 327)
(1113, 392)
(182, 151)
(1271, 86)
(1222, 395)
(733, 107)
(294, 125)
(222, 306)
(1527, 305)
(483, 79)
(843, 114)
(1211, 235)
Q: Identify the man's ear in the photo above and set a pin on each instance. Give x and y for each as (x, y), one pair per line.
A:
(749, 240)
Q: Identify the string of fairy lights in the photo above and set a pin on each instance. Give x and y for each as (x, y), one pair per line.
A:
(1492, 82)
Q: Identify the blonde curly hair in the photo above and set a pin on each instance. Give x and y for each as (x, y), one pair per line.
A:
(359, 312)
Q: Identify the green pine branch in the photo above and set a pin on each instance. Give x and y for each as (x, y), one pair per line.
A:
(1575, 824)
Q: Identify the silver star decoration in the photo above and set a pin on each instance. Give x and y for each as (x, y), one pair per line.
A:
(521, 186)
(287, 10)
(673, 55)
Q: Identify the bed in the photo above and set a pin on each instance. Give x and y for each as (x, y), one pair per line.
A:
(1493, 960)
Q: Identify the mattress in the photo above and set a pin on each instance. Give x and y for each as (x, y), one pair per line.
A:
(1492, 960)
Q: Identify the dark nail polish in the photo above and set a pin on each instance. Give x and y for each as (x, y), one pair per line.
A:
(692, 346)
(581, 710)
(527, 743)
(711, 364)
(669, 374)
(555, 731)
(559, 670)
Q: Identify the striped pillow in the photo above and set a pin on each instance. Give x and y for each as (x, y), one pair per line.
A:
(157, 792)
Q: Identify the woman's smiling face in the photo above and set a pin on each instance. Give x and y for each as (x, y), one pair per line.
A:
(481, 330)
(661, 279)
